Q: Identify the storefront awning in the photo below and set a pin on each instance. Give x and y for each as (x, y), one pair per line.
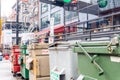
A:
(44, 31)
(59, 30)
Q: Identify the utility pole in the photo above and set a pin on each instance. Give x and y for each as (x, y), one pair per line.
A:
(17, 23)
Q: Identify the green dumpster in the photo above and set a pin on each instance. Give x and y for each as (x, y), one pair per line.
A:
(98, 60)
(22, 61)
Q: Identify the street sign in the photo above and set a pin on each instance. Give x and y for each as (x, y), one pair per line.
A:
(102, 3)
(55, 75)
(51, 39)
(52, 27)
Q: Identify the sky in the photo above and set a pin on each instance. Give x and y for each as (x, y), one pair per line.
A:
(6, 7)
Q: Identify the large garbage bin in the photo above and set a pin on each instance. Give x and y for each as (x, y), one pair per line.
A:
(15, 57)
(38, 62)
(63, 62)
(98, 60)
(22, 61)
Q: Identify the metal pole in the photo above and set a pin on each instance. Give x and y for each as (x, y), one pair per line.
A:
(17, 23)
(0, 9)
(65, 33)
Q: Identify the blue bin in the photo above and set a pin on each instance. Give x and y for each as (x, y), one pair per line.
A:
(1, 57)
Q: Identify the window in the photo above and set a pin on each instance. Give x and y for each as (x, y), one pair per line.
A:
(111, 4)
(117, 3)
(52, 6)
(44, 24)
(70, 15)
(56, 15)
(44, 7)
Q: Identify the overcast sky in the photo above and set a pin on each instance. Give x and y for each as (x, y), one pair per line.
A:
(6, 7)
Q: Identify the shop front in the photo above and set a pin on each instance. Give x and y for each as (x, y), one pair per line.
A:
(59, 32)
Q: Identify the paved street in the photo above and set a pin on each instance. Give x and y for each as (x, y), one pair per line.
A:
(5, 70)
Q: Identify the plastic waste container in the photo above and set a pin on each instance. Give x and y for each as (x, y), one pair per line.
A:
(1, 57)
(22, 61)
(15, 57)
(98, 60)
(63, 62)
(38, 61)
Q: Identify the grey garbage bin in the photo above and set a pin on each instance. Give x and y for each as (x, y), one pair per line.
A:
(63, 62)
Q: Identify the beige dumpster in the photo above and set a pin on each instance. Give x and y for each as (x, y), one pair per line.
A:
(38, 62)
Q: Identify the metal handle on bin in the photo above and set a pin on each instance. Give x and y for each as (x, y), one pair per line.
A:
(92, 59)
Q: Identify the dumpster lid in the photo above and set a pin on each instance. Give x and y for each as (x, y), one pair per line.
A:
(63, 44)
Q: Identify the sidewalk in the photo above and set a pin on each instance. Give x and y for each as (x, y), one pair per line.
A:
(5, 70)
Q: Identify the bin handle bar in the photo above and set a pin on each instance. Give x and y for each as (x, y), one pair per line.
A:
(91, 58)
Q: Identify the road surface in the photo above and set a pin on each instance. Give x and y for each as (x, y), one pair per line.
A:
(5, 71)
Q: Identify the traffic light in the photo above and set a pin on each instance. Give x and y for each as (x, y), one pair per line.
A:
(67, 1)
(60, 3)
(63, 1)
(74, 1)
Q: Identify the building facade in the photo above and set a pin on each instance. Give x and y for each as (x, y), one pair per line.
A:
(89, 15)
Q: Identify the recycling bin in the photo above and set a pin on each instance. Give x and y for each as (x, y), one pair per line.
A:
(22, 61)
(63, 62)
(38, 62)
(98, 60)
(1, 57)
(15, 56)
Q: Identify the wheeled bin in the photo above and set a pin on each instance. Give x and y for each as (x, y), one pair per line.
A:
(22, 61)
(38, 62)
(1, 57)
(63, 62)
(15, 56)
(98, 60)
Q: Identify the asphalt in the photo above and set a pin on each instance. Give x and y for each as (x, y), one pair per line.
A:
(5, 71)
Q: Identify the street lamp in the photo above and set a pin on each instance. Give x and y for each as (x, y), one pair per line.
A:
(17, 23)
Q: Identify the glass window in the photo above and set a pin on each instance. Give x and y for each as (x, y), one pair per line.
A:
(111, 4)
(44, 24)
(44, 7)
(56, 15)
(116, 19)
(117, 3)
(52, 6)
(70, 15)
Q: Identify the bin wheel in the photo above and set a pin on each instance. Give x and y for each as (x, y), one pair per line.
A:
(14, 74)
(11, 71)
(22, 77)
